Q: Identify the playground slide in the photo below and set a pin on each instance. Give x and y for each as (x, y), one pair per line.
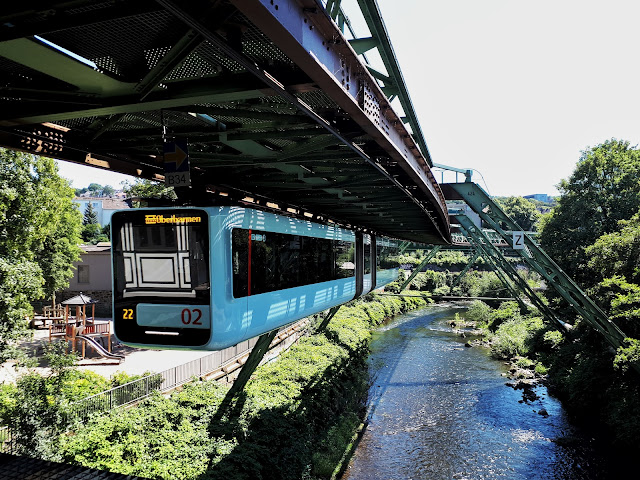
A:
(100, 349)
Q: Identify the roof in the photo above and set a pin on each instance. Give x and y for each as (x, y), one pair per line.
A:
(18, 468)
(114, 204)
(79, 300)
(108, 203)
(101, 247)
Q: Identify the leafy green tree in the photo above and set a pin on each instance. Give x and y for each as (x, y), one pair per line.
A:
(107, 191)
(95, 189)
(617, 253)
(39, 236)
(522, 211)
(602, 190)
(142, 189)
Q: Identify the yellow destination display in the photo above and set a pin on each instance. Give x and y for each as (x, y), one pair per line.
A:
(161, 219)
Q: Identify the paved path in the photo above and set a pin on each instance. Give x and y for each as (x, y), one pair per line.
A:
(136, 361)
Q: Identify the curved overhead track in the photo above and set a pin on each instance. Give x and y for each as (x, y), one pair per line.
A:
(272, 99)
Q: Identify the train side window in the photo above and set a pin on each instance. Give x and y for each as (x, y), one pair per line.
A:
(367, 254)
(267, 261)
(385, 251)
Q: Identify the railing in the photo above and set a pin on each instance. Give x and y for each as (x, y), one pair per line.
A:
(6, 440)
(216, 365)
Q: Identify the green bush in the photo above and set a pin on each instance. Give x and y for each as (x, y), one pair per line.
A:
(479, 312)
(506, 311)
(627, 355)
(515, 336)
(80, 384)
(429, 281)
(7, 401)
(553, 339)
(294, 417)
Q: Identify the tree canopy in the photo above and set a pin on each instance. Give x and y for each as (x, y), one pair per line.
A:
(603, 189)
(148, 189)
(39, 236)
(523, 211)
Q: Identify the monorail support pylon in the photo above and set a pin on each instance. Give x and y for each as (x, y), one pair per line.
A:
(258, 352)
(491, 252)
(419, 268)
(537, 259)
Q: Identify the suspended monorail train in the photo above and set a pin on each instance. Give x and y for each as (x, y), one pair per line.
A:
(208, 278)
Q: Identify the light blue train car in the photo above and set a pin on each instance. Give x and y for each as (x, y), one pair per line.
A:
(208, 278)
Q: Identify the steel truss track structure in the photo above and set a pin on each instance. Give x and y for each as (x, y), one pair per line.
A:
(534, 256)
(274, 101)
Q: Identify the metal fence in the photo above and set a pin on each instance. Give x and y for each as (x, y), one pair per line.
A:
(6, 440)
(139, 389)
(222, 361)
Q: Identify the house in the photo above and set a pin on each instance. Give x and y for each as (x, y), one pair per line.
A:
(92, 277)
(103, 206)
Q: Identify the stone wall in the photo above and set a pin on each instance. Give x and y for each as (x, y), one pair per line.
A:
(103, 307)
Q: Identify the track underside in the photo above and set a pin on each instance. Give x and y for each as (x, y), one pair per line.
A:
(273, 102)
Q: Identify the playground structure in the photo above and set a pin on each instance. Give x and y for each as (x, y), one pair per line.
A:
(91, 332)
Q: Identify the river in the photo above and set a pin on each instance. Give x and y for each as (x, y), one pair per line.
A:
(440, 410)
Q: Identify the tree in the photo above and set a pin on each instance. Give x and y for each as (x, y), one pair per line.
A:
(39, 236)
(522, 211)
(603, 189)
(92, 232)
(107, 191)
(142, 189)
(90, 215)
(617, 253)
(95, 189)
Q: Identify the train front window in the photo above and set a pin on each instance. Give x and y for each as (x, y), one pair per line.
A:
(162, 254)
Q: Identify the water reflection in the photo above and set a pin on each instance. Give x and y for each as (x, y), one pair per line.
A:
(439, 410)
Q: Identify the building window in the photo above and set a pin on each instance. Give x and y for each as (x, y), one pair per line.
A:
(83, 273)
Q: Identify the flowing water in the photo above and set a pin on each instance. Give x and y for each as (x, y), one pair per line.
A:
(439, 410)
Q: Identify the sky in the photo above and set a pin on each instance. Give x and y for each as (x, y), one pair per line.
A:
(518, 89)
(513, 89)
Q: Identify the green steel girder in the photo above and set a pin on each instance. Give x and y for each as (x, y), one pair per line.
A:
(467, 267)
(496, 255)
(256, 355)
(498, 264)
(537, 259)
(373, 17)
(419, 268)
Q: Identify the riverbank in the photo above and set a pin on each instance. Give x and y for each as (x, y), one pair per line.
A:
(441, 410)
(292, 420)
(577, 367)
